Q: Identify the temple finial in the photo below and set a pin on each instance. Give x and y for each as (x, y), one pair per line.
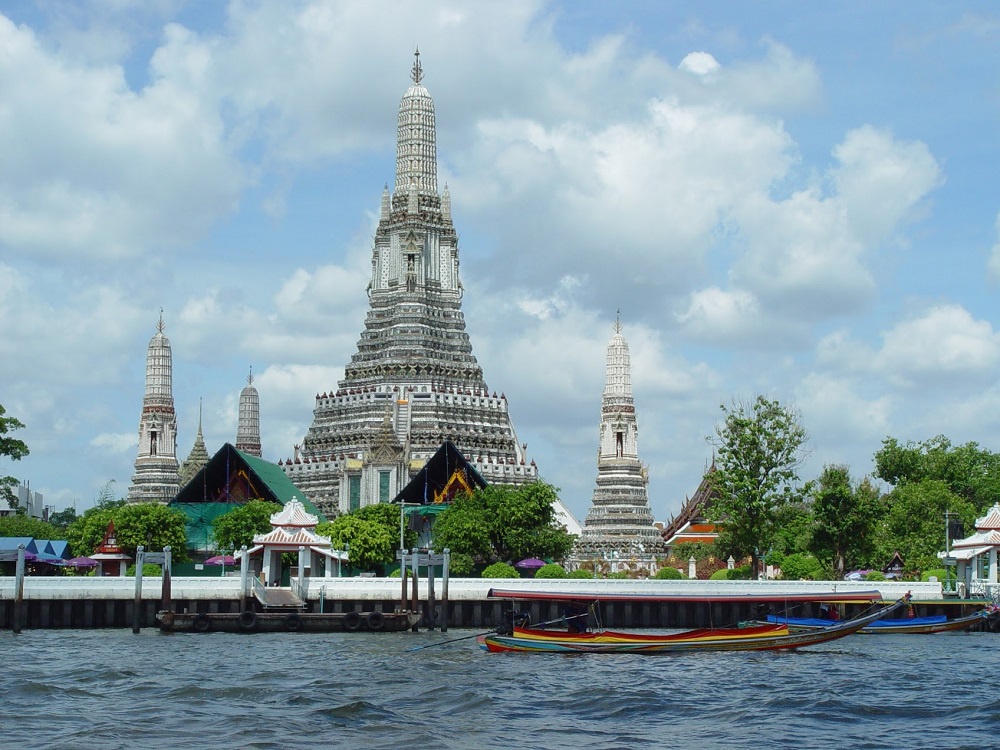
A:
(417, 73)
(250, 376)
(618, 321)
(160, 325)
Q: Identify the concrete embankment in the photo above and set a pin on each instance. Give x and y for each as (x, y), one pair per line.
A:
(64, 602)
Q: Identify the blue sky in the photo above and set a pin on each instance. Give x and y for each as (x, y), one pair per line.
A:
(790, 199)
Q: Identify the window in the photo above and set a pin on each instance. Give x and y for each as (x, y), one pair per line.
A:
(355, 490)
(383, 486)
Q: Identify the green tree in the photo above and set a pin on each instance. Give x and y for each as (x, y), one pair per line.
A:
(388, 516)
(914, 525)
(369, 543)
(504, 523)
(237, 527)
(846, 519)
(758, 449)
(151, 525)
(12, 448)
(971, 472)
(61, 519)
(793, 529)
(801, 567)
(22, 525)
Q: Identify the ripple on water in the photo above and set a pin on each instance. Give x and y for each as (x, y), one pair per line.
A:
(111, 689)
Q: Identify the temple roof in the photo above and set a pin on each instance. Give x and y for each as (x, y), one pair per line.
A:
(280, 536)
(680, 527)
(294, 515)
(444, 474)
(232, 476)
(991, 521)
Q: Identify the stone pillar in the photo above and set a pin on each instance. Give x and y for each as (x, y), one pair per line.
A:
(692, 568)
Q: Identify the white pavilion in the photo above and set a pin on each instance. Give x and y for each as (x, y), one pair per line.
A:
(293, 530)
(976, 556)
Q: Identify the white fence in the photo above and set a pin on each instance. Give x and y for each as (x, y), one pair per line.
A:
(459, 589)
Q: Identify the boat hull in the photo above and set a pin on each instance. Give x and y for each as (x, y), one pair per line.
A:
(277, 622)
(906, 626)
(767, 637)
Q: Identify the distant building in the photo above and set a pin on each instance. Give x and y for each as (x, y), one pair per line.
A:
(32, 502)
(248, 426)
(414, 382)
(620, 522)
(157, 478)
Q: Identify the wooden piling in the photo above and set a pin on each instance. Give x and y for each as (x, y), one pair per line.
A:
(18, 589)
(137, 602)
(444, 590)
(165, 593)
(430, 591)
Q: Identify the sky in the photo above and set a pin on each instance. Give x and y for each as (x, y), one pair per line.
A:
(795, 200)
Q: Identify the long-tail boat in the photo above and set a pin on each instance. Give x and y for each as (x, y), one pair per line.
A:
(768, 637)
(905, 625)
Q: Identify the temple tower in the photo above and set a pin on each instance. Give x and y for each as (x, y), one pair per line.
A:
(198, 456)
(414, 381)
(248, 427)
(620, 520)
(156, 478)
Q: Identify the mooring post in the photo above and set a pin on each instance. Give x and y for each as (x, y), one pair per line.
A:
(302, 572)
(244, 567)
(430, 590)
(415, 600)
(18, 588)
(166, 603)
(444, 589)
(403, 570)
(137, 602)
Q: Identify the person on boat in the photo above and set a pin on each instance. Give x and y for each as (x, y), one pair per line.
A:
(575, 616)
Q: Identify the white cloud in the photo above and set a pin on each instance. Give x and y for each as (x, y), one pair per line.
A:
(699, 63)
(102, 172)
(945, 347)
(124, 442)
(880, 180)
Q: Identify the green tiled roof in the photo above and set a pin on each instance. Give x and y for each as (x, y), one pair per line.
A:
(278, 482)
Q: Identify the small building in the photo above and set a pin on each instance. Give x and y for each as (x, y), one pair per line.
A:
(976, 556)
(111, 559)
(292, 530)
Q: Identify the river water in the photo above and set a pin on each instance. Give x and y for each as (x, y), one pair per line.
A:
(112, 689)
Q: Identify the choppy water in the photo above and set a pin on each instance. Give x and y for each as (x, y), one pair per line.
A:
(113, 689)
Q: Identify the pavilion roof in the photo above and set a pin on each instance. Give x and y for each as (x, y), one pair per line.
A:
(293, 514)
(300, 537)
(991, 521)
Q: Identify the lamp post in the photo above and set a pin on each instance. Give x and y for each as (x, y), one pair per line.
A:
(402, 516)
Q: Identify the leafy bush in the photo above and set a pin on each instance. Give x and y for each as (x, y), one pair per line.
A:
(148, 569)
(801, 566)
(668, 574)
(552, 570)
(501, 570)
(874, 575)
(619, 575)
(741, 573)
(938, 573)
(580, 573)
(397, 573)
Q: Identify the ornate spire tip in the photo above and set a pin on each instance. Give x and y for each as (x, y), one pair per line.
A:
(417, 73)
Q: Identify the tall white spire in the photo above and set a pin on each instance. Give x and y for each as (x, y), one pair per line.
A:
(620, 519)
(416, 138)
(248, 427)
(156, 477)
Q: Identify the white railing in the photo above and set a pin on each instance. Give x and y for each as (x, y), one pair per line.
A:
(463, 589)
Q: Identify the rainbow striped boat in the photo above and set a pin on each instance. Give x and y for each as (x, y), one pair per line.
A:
(770, 637)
